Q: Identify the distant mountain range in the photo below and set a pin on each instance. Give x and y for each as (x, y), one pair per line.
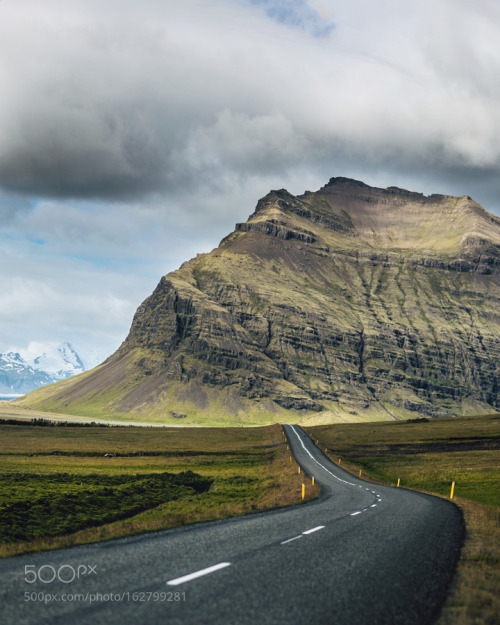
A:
(348, 303)
(19, 376)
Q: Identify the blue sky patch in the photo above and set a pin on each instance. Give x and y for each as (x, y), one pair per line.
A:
(36, 241)
(296, 14)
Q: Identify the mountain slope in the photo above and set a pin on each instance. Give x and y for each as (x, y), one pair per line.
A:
(349, 303)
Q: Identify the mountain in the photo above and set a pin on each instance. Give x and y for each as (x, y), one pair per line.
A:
(20, 375)
(61, 361)
(349, 303)
(17, 377)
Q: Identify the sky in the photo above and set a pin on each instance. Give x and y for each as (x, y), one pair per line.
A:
(134, 134)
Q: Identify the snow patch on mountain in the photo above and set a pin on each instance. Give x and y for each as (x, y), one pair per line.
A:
(61, 361)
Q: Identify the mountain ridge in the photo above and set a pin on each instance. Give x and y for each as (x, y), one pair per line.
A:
(351, 302)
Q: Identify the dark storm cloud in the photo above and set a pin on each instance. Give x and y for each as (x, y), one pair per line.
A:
(122, 100)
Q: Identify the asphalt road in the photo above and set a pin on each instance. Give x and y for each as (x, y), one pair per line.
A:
(361, 554)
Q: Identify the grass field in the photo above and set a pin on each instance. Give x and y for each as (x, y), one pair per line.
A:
(63, 485)
(429, 455)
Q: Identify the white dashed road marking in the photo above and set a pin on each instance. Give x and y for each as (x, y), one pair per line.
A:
(290, 539)
(337, 478)
(314, 529)
(196, 574)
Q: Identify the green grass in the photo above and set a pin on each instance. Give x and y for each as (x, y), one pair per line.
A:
(429, 455)
(61, 486)
(44, 505)
(426, 455)
(476, 474)
(218, 410)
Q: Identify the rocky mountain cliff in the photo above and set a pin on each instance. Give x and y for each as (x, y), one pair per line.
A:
(351, 302)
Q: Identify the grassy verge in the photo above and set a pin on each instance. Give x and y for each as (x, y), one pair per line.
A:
(61, 486)
(429, 456)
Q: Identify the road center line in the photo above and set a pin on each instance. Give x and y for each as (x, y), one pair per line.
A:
(314, 529)
(312, 457)
(201, 573)
(324, 468)
(290, 539)
(355, 513)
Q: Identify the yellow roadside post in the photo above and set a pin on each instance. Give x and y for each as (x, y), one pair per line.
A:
(298, 469)
(312, 480)
(340, 460)
(452, 490)
(399, 480)
(360, 473)
(303, 491)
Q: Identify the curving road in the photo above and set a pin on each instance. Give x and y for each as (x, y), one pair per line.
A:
(361, 554)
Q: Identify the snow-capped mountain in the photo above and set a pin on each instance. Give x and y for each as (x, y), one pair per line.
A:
(62, 361)
(21, 374)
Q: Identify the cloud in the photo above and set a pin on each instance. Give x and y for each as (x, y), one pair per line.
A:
(76, 272)
(120, 102)
(247, 145)
(47, 302)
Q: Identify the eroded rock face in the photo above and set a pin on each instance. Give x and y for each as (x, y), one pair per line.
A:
(341, 299)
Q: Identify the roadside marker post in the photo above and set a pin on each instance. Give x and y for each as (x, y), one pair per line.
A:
(298, 469)
(399, 480)
(360, 473)
(303, 491)
(340, 460)
(452, 490)
(312, 480)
